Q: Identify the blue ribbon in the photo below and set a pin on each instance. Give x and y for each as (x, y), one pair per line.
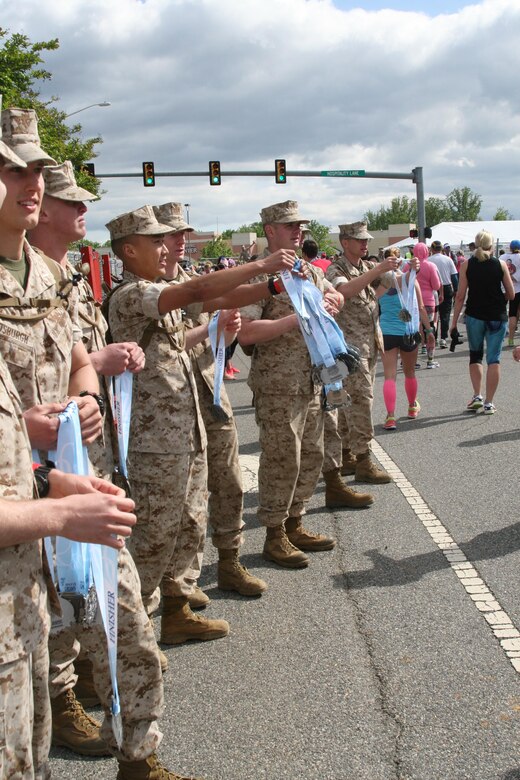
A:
(79, 565)
(121, 411)
(324, 340)
(218, 345)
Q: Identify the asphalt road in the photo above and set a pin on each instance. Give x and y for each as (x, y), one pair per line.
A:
(391, 657)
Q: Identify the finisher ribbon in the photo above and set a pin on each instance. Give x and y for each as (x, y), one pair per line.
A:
(330, 354)
(218, 345)
(88, 569)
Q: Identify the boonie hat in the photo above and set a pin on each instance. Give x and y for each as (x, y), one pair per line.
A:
(514, 245)
(60, 182)
(355, 230)
(282, 213)
(172, 214)
(20, 133)
(140, 222)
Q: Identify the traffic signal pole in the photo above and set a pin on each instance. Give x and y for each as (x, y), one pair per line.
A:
(415, 176)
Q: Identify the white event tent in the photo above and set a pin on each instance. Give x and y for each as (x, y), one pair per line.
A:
(458, 234)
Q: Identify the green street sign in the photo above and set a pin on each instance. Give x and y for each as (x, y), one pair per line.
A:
(342, 173)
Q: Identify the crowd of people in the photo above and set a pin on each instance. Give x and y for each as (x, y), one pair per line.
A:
(161, 324)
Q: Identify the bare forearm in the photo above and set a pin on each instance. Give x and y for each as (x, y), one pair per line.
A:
(242, 296)
(355, 286)
(258, 331)
(26, 521)
(196, 335)
(209, 286)
(82, 373)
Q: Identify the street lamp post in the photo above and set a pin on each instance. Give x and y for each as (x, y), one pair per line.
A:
(92, 105)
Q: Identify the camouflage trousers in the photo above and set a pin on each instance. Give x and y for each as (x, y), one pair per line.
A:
(291, 454)
(170, 494)
(224, 483)
(138, 667)
(25, 717)
(355, 421)
(332, 442)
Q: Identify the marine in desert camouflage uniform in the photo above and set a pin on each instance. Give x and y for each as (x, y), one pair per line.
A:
(166, 422)
(140, 684)
(288, 406)
(224, 475)
(356, 279)
(24, 620)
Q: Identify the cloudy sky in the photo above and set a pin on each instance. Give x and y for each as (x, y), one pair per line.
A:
(325, 84)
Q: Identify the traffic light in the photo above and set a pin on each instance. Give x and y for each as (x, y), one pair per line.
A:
(414, 233)
(88, 168)
(280, 173)
(427, 232)
(214, 173)
(148, 174)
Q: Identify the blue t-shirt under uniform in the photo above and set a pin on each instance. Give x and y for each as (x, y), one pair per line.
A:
(390, 306)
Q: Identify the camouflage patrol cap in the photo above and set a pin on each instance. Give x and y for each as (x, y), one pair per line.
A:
(60, 182)
(282, 213)
(20, 133)
(172, 214)
(141, 222)
(6, 154)
(355, 230)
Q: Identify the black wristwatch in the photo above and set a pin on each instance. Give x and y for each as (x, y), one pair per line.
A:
(99, 398)
(41, 477)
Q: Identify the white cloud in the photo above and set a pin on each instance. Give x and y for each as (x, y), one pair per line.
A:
(245, 82)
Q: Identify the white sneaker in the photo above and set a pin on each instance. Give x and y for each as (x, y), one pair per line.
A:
(477, 402)
(489, 408)
(442, 344)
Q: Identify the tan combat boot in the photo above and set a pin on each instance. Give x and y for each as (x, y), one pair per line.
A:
(198, 599)
(278, 548)
(147, 769)
(233, 576)
(367, 471)
(84, 688)
(74, 729)
(179, 624)
(339, 494)
(163, 661)
(348, 463)
(303, 539)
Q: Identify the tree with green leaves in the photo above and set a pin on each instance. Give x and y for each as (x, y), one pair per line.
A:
(21, 69)
(464, 205)
(460, 205)
(401, 209)
(321, 234)
(502, 214)
(217, 248)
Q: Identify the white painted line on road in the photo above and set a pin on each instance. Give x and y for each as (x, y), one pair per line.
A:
(475, 586)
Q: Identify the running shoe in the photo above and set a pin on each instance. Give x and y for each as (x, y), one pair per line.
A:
(431, 363)
(489, 408)
(477, 402)
(442, 344)
(413, 410)
(390, 424)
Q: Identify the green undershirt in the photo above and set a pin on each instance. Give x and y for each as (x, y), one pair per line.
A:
(18, 268)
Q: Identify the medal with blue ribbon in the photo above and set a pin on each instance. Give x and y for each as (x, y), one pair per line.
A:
(330, 354)
(88, 569)
(218, 345)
